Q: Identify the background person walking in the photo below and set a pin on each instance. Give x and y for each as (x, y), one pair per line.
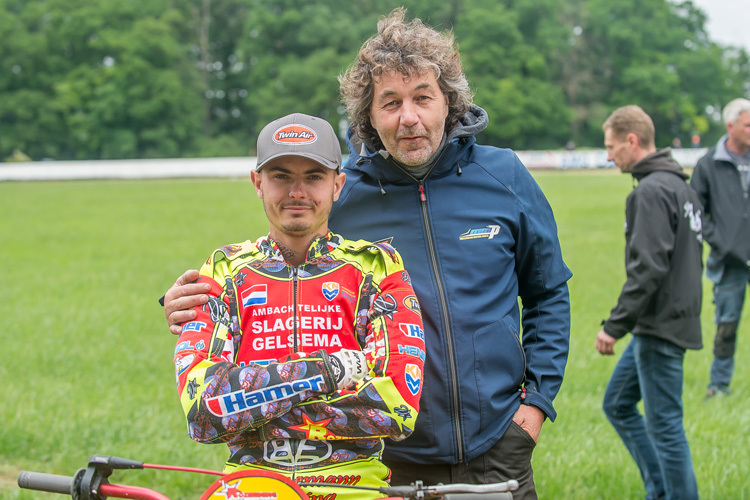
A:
(722, 181)
(660, 305)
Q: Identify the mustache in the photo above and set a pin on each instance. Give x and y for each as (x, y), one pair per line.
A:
(297, 204)
(411, 132)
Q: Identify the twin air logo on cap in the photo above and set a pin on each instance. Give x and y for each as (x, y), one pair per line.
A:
(294, 134)
(330, 290)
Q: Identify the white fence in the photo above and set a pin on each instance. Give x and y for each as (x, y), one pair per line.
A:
(595, 158)
(126, 169)
(241, 166)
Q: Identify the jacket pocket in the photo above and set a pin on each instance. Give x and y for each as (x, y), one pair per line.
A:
(499, 369)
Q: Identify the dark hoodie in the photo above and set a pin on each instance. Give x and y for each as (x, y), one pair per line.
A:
(663, 256)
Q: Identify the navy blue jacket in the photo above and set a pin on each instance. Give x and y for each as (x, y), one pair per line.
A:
(475, 235)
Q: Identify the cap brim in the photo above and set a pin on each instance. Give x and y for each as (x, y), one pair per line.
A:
(316, 158)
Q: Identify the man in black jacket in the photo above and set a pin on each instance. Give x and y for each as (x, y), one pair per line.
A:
(659, 304)
(722, 179)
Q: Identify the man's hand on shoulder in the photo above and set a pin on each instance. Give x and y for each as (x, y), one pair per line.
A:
(181, 298)
(530, 418)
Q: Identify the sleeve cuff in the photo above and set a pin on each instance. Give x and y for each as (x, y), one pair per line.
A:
(535, 398)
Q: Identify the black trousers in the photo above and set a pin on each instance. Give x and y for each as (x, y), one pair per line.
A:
(509, 458)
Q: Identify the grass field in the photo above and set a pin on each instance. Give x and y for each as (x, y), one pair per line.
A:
(87, 358)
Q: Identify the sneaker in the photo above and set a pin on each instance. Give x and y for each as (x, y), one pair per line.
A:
(718, 390)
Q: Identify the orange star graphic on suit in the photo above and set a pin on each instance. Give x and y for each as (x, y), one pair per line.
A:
(312, 429)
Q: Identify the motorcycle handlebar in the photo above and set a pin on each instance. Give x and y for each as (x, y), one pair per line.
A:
(479, 496)
(91, 479)
(456, 491)
(51, 483)
(67, 485)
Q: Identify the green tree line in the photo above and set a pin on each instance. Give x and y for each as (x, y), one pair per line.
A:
(97, 79)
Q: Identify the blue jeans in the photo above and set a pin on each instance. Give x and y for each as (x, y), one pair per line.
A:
(729, 296)
(652, 369)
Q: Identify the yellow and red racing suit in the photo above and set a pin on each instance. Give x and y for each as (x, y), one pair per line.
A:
(253, 369)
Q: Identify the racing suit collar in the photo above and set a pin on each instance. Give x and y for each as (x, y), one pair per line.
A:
(319, 247)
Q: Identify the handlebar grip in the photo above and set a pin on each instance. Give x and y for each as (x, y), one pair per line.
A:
(51, 483)
(506, 495)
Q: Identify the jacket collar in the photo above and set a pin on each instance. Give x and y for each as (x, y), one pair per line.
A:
(721, 153)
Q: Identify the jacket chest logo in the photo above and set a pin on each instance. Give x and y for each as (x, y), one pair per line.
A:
(488, 232)
(694, 216)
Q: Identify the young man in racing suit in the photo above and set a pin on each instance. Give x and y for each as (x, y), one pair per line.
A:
(310, 349)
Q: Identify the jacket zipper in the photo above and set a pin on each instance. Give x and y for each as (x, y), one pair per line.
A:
(294, 443)
(295, 289)
(295, 285)
(446, 323)
(234, 327)
(443, 305)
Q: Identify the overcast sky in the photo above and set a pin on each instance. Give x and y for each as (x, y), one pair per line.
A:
(728, 21)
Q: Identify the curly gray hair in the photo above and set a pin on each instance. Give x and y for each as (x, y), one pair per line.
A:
(411, 48)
